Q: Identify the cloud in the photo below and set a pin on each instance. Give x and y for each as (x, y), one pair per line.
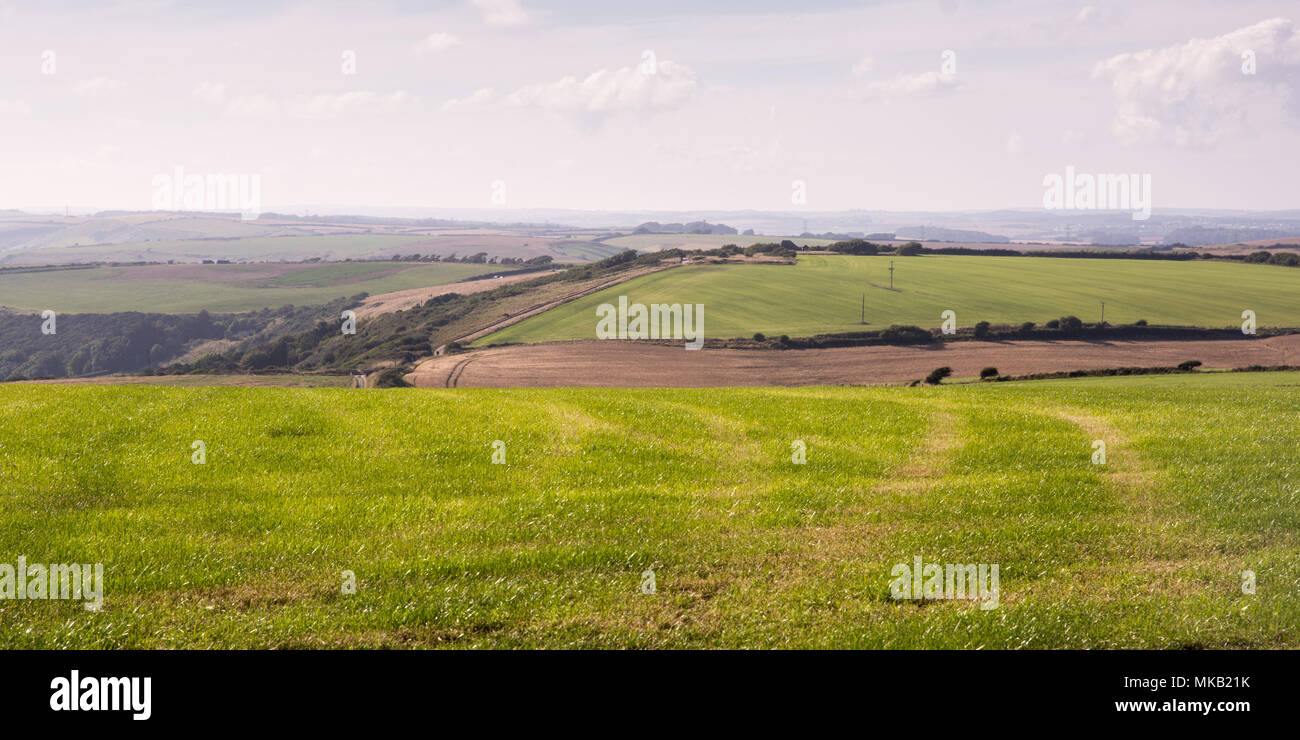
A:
(318, 107)
(917, 85)
(600, 94)
(1196, 93)
(603, 91)
(97, 87)
(502, 12)
(436, 42)
(14, 107)
(481, 96)
(863, 66)
(209, 92)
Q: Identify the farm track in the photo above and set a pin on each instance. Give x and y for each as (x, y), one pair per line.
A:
(528, 312)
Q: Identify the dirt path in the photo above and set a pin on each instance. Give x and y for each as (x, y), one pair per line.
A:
(633, 364)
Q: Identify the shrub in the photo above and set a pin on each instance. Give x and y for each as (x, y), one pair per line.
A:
(1189, 365)
(937, 375)
(988, 372)
(1071, 323)
(909, 249)
(1140, 322)
(1053, 324)
(391, 378)
(1027, 327)
(906, 335)
(981, 330)
(758, 337)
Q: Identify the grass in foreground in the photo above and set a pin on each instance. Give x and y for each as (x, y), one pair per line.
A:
(824, 294)
(749, 550)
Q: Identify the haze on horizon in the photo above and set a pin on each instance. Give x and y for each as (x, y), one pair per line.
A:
(918, 106)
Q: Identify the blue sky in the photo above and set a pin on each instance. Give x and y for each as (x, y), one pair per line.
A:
(661, 105)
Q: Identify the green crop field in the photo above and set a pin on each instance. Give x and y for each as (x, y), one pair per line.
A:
(748, 549)
(824, 294)
(218, 288)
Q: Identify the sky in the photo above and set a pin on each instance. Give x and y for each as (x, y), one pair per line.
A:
(668, 105)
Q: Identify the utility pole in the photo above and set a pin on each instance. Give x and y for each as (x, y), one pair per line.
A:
(1103, 312)
(891, 274)
(864, 309)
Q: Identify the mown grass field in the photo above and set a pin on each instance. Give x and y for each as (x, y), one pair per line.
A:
(749, 550)
(218, 288)
(824, 294)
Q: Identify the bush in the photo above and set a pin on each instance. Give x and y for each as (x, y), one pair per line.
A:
(1053, 324)
(391, 378)
(758, 337)
(1071, 323)
(981, 330)
(906, 335)
(938, 374)
(1140, 322)
(1027, 327)
(1189, 365)
(909, 249)
(988, 372)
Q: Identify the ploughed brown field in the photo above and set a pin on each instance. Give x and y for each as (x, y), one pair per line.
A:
(614, 363)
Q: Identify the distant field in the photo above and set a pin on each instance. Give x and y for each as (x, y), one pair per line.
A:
(586, 250)
(825, 293)
(642, 242)
(747, 549)
(218, 288)
(333, 247)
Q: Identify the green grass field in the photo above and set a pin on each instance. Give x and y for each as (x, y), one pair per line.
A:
(748, 549)
(824, 294)
(217, 288)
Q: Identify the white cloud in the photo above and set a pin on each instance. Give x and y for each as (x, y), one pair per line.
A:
(436, 42)
(605, 91)
(14, 107)
(598, 95)
(209, 92)
(318, 107)
(481, 96)
(922, 84)
(1194, 94)
(97, 87)
(863, 66)
(502, 12)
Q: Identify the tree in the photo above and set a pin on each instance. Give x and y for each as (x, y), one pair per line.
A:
(758, 337)
(988, 372)
(909, 249)
(937, 375)
(1071, 323)
(981, 329)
